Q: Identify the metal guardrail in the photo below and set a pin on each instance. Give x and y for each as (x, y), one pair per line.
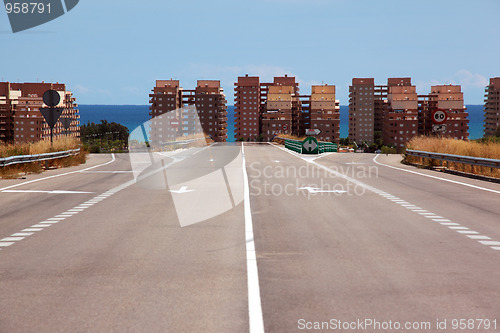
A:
(37, 157)
(479, 161)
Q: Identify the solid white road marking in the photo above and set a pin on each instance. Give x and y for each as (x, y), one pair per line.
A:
(182, 190)
(59, 175)
(23, 234)
(431, 176)
(106, 171)
(318, 190)
(256, 320)
(46, 192)
(58, 218)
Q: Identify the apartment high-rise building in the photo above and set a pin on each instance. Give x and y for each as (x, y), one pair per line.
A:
(400, 119)
(20, 116)
(269, 109)
(391, 109)
(247, 103)
(450, 99)
(165, 101)
(362, 110)
(492, 107)
(324, 111)
(211, 106)
(281, 107)
(177, 112)
(266, 109)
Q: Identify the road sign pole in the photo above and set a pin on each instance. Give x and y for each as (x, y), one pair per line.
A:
(51, 127)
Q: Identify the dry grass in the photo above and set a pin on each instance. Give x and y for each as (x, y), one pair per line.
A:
(62, 144)
(455, 147)
(39, 147)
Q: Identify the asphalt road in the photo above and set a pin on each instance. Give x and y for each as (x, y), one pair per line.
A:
(166, 246)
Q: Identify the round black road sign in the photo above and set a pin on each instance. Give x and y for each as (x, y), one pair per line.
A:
(51, 98)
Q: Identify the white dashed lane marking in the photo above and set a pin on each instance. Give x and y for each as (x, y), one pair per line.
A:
(471, 234)
(456, 227)
(19, 236)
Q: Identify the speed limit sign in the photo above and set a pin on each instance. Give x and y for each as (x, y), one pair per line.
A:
(439, 116)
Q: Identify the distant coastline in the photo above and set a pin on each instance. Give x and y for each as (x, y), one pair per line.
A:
(132, 116)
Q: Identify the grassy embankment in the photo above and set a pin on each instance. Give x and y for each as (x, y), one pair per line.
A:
(41, 147)
(486, 149)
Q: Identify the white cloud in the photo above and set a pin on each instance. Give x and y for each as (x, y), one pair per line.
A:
(463, 77)
(134, 91)
(95, 94)
(80, 89)
(469, 79)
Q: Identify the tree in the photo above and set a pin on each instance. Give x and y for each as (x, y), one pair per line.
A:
(109, 136)
(378, 140)
(345, 141)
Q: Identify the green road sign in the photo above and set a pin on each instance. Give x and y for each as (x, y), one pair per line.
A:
(310, 146)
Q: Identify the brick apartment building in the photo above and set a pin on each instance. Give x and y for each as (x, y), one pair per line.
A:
(492, 107)
(325, 113)
(203, 108)
(269, 109)
(399, 113)
(211, 106)
(281, 107)
(282, 111)
(450, 99)
(247, 104)
(362, 110)
(20, 117)
(166, 100)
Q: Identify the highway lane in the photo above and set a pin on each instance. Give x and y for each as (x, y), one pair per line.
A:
(22, 209)
(352, 256)
(475, 207)
(125, 264)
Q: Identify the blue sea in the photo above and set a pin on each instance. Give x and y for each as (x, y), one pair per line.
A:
(132, 116)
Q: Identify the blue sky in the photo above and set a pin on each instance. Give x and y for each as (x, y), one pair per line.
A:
(111, 52)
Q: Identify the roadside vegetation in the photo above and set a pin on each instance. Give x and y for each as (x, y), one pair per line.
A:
(485, 148)
(104, 137)
(375, 147)
(40, 147)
